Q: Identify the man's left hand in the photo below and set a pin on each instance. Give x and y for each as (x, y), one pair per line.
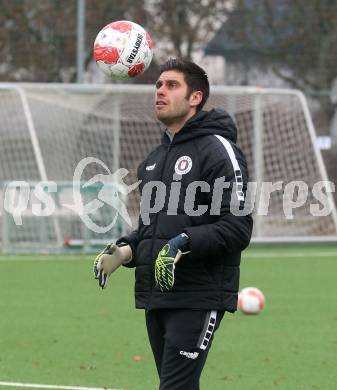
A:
(166, 260)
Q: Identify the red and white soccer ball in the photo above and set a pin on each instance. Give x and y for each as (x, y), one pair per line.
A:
(251, 300)
(123, 50)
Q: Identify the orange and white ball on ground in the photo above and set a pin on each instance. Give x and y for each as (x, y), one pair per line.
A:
(251, 300)
(123, 50)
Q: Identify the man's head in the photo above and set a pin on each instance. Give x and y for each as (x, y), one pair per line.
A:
(181, 90)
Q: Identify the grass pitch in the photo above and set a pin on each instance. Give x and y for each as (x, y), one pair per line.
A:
(58, 327)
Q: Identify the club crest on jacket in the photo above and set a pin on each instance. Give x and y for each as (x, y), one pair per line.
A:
(183, 165)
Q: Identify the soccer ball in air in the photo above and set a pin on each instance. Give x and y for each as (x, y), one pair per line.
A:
(123, 50)
(251, 300)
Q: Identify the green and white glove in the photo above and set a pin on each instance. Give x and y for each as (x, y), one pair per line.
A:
(167, 259)
(111, 257)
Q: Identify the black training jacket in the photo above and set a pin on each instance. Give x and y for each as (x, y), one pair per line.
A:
(208, 278)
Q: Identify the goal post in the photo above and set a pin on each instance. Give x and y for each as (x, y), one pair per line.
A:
(48, 129)
(291, 104)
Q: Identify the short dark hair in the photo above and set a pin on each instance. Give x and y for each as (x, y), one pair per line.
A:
(195, 77)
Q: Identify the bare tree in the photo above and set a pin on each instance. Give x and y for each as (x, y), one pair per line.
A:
(297, 39)
(180, 27)
(38, 38)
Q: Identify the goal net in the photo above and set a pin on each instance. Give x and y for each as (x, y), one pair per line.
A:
(47, 130)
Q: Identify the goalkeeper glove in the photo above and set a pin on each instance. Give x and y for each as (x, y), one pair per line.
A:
(166, 260)
(111, 257)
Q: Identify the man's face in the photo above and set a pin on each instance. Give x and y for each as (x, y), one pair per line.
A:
(171, 104)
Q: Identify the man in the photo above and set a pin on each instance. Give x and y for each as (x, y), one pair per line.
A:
(187, 255)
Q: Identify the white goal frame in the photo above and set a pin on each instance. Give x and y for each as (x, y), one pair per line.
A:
(258, 130)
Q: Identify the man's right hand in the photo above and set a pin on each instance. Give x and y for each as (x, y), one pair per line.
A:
(111, 257)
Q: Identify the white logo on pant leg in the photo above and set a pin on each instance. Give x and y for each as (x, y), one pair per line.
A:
(183, 165)
(190, 355)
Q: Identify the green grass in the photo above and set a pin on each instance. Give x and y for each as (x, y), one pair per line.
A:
(58, 327)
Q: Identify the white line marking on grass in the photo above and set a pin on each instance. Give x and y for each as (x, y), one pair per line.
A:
(43, 258)
(59, 387)
(267, 254)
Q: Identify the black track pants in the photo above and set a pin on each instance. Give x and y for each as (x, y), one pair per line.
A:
(180, 340)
